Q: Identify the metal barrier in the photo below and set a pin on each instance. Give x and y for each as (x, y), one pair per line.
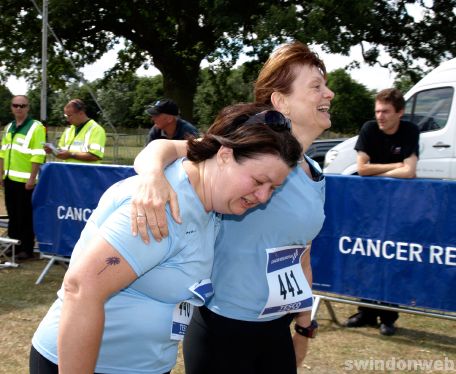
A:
(326, 299)
(52, 260)
(7, 247)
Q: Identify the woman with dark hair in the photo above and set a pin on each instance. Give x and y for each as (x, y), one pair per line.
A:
(124, 304)
(262, 274)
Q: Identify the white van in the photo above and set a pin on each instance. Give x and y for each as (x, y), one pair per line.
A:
(431, 104)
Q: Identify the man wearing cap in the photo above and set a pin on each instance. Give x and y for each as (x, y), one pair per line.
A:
(167, 124)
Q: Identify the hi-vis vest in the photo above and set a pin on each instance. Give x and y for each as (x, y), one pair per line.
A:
(91, 138)
(21, 147)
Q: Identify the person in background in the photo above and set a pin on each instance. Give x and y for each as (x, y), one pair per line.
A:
(258, 292)
(120, 307)
(386, 147)
(164, 114)
(84, 140)
(21, 156)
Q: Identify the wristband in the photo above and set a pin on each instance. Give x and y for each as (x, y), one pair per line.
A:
(309, 331)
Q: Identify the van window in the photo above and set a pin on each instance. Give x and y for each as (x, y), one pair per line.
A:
(429, 109)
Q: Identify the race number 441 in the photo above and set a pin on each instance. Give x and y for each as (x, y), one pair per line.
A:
(289, 290)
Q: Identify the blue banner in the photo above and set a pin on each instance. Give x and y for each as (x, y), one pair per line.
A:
(64, 198)
(388, 240)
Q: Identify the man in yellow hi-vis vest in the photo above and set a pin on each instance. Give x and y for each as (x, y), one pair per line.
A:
(21, 155)
(84, 140)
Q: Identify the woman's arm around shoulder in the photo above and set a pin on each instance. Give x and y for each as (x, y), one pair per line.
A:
(154, 191)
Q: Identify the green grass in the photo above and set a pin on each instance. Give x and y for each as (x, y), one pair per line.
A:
(21, 308)
(23, 304)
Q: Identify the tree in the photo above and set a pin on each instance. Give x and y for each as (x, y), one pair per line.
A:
(123, 99)
(35, 102)
(116, 98)
(176, 36)
(5, 105)
(147, 91)
(217, 89)
(353, 103)
(404, 83)
(173, 35)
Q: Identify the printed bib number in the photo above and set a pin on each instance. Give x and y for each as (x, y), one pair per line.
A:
(183, 311)
(289, 290)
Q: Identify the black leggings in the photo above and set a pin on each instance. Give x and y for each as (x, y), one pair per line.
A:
(216, 344)
(39, 364)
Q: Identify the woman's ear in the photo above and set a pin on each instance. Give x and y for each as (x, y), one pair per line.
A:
(224, 155)
(280, 103)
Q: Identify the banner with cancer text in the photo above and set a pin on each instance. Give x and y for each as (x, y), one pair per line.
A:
(388, 240)
(64, 199)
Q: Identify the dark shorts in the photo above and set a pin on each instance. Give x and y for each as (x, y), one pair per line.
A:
(216, 344)
(39, 364)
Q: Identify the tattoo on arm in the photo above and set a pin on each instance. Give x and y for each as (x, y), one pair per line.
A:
(110, 261)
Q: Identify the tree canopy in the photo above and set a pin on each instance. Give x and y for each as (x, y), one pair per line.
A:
(352, 105)
(175, 36)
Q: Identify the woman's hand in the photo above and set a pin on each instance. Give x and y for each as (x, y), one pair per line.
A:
(301, 343)
(148, 206)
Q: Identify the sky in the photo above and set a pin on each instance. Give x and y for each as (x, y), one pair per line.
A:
(375, 78)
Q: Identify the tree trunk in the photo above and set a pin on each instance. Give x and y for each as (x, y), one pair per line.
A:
(179, 84)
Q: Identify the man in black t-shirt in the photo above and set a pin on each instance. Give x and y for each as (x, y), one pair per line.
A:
(387, 147)
(167, 124)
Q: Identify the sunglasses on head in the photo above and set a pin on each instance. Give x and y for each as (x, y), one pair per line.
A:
(272, 118)
(22, 106)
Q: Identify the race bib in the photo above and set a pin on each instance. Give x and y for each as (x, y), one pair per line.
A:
(183, 311)
(289, 291)
(182, 315)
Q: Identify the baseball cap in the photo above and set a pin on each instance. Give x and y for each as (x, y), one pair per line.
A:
(163, 106)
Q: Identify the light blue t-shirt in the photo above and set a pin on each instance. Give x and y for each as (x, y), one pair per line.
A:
(293, 217)
(138, 320)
